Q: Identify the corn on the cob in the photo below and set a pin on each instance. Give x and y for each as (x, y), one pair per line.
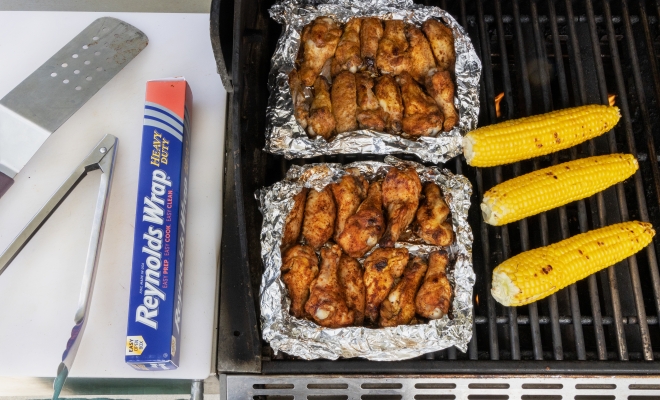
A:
(538, 273)
(524, 138)
(551, 187)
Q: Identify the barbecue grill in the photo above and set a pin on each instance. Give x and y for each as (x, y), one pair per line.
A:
(537, 56)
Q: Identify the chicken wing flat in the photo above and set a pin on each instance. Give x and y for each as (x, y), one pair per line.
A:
(401, 192)
(293, 221)
(350, 279)
(442, 44)
(347, 56)
(319, 221)
(419, 55)
(434, 297)
(422, 117)
(363, 229)
(348, 193)
(321, 121)
(370, 35)
(389, 97)
(398, 308)
(299, 94)
(344, 102)
(441, 88)
(432, 217)
(326, 304)
(320, 42)
(391, 58)
(300, 266)
(381, 268)
(370, 115)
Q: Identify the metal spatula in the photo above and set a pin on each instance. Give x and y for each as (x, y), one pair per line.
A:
(50, 95)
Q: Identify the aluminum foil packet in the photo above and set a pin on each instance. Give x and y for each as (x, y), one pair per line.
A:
(285, 136)
(306, 339)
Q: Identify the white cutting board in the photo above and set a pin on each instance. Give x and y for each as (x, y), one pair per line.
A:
(39, 290)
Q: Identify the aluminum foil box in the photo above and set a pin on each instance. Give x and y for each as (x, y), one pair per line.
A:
(154, 313)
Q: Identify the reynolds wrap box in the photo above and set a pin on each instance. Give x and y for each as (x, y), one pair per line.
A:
(154, 313)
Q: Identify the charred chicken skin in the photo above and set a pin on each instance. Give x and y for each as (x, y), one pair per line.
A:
(442, 44)
(344, 101)
(293, 221)
(351, 280)
(389, 97)
(398, 308)
(347, 57)
(349, 192)
(381, 268)
(420, 57)
(434, 297)
(432, 214)
(320, 42)
(321, 121)
(370, 35)
(370, 115)
(319, 221)
(441, 88)
(392, 58)
(300, 266)
(326, 304)
(422, 116)
(401, 192)
(298, 94)
(363, 229)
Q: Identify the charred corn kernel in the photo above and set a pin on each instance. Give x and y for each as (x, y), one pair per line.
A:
(524, 138)
(538, 273)
(547, 188)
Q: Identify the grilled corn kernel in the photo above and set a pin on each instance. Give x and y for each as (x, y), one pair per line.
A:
(535, 274)
(524, 138)
(547, 188)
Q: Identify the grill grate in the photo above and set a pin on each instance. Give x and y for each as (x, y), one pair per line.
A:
(537, 56)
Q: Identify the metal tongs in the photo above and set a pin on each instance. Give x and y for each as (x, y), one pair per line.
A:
(103, 158)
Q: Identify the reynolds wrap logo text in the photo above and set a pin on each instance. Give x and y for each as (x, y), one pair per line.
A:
(152, 212)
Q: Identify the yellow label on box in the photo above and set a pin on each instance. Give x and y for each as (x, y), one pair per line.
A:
(135, 345)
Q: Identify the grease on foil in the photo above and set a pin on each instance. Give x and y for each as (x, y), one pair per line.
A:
(285, 136)
(308, 340)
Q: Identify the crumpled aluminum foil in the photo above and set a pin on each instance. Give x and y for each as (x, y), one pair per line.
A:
(308, 340)
(285, 136)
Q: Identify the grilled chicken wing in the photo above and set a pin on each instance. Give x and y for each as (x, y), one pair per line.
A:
(391, 57)
(300, 266)
(299, 94)
(293, 221)
(326, 304)
(381, 268)
(321, 121)
(344, 102)
(422, 117)
(420, 56)
(401, 192)
(319, 221)
(347, 56)
(370, 35)
(370, 115)
(442, 44)
(434, 297)
(398, 308)
(441, 88)
(350, 279)
(363, 229)
(389, 97)
(432, 218)
(348, 193)
(320, 42)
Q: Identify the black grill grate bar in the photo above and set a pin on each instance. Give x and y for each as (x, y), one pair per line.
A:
(507, 19)
(567, 319)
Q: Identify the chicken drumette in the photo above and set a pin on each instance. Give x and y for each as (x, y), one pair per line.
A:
(422, 117)
(432, 217)
(398, 308)
(370, 115)
(300, 266)
(319, 221)
(293, 221)
(401, 192)
(389, 97)
(320, 42)
(344, 102)
(420, 57)
(351, 280)
(370, 35)
(441, 89)
(321, 121)
(349, 192)
(326, 304)
(434, 297)
(381, 268)
(363, 229)
(442, 44)
(347, 57)
(392, 58)
(299, 94)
